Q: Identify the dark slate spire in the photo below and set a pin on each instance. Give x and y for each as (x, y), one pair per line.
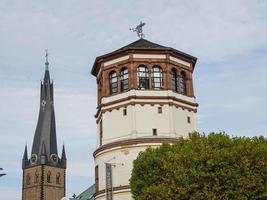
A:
(45, 133)
(63, 155)
(25, 155)
(25, 160)
(63, 158)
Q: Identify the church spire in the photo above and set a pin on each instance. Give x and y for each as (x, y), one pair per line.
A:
(45, 133)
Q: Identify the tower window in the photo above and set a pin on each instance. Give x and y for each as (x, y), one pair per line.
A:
(183, 83)
(28, 179)
(143, 78)
(124, 111)
(100, 132)
(154, 131)
(96, 179)
(174, 80)
(36, 179)
(58, 178)
(188, 120)
(160, 110)
(48, 178)
(113, 83)
(157, 77)
(124, 79)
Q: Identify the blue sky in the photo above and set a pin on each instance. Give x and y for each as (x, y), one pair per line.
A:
(228, 37)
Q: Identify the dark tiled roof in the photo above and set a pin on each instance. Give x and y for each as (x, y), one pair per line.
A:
(141, 44)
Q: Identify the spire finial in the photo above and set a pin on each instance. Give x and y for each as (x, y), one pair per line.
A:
(139, 30)
(46, 60)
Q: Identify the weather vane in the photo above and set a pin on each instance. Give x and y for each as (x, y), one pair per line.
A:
(139, 29)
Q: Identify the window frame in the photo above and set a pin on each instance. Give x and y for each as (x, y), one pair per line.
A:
(157, 74)
(113, 83)
(124, 79)
(182, 83)
(174, 82)
(143, 77)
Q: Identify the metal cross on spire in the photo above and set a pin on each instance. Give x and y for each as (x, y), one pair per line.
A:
(46, 60)
(139, 29)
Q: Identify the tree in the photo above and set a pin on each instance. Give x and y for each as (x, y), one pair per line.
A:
(215, 166)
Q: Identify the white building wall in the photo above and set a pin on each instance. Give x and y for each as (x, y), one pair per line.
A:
(141, 119)
(122, 160)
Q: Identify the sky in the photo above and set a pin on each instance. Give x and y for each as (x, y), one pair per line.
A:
(228, 37)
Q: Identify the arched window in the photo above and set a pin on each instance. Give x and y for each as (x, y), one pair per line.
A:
(28, 179)
(157, 77)
(58, 178)
(36, 179)
(183, 83)
(174, 80)
(113, 83)
(142, 77)
(124, 78)
(48, 177)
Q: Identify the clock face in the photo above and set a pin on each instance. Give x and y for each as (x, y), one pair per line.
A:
(53, 157)
(33, 158)
(43, 103)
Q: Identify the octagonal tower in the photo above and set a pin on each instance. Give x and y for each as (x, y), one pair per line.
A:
(145, 98)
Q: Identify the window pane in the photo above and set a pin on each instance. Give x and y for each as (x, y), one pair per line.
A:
(174, 80)
(124, 80)
(157, 77)
(143, 78)
(183, 83)
(113, 83)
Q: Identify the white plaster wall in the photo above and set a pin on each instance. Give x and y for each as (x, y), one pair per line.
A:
(116, 126)
(181, 125)
(123, 163)
(148, 118)
(140, 120)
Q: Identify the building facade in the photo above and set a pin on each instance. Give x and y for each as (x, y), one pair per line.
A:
(44, 170)
(145, 98)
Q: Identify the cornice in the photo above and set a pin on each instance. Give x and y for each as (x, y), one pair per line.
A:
(134, 141)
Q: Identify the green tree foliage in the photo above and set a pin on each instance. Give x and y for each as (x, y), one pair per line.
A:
(215, 166)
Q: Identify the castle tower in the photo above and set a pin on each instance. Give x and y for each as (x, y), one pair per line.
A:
(145, 98)
(44, 171)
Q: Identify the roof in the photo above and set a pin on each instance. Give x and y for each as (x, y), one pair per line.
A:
(46, 126)
(88, 194)
(141, 44)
